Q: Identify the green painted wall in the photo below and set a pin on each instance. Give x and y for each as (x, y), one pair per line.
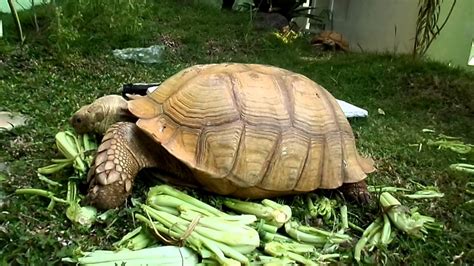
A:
(19, 4)
(454, 43)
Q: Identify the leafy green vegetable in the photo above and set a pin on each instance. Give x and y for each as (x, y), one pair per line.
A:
(379, 233)
(425, 194)
(322, 206)
(452, 144)
(463, 167)
(137, 239)
(289, 251)
(77, 151)
(165, 255)
(312, 235)
(272, 212)
(212, 233)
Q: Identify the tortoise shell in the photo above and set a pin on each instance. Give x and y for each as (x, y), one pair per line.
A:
(252, 131)
(331, 38)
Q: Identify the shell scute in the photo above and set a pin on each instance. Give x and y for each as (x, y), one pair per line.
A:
(206, 101)
(244, 129)
(254, 155)
(287, 162)
(218, 148)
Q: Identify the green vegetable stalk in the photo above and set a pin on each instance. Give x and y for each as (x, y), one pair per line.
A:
(212, 227)
(77, 151)
(425, 194)
(179, 198)
(213, 234)
(84, 216)
(272, 212)
(400, 216)
(272, 261)
(380, 189)
(311, 235)
(463, 167)
(452, 144)
(164, 255)
(289, 251)
(135, 240)
(40, 192)
(379, 233)
(275, 237)
(208, 248)
(369, 233)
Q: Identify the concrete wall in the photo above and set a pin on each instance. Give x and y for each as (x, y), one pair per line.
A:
(389, 26)
(377, 25)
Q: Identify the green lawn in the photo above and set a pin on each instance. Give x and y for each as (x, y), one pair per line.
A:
(68, 63)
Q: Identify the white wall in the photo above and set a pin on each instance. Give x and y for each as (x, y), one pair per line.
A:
(377, 25)
(374, 25)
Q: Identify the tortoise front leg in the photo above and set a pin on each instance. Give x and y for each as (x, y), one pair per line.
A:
(357, 192)
(124, 151)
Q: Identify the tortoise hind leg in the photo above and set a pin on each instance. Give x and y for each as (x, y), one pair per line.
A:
(124, 151)
(357, 192)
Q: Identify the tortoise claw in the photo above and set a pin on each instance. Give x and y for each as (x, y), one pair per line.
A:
(106, 197)
(357, 192)
(90, 173)
(363, 197)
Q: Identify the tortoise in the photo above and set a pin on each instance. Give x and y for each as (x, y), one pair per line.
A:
(332, 40)
(242, 130)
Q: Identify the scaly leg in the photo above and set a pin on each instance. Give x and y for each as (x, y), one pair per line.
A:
(124, 151)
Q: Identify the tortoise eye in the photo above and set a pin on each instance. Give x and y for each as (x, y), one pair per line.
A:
(78, 120)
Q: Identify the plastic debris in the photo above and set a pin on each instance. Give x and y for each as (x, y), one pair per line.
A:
(10, 120)
(352, 110)
(149, 55)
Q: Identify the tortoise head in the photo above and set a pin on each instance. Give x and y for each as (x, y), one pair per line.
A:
(98, 116)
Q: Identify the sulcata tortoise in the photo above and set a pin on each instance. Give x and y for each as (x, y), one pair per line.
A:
(242, 130)
(331, 40)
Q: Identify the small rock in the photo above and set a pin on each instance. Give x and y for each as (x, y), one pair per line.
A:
(3, 169)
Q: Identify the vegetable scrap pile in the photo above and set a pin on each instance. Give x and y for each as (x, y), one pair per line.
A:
(454, 144)
(251, 233)
(464, 163)
(78, 152)
(175, 228)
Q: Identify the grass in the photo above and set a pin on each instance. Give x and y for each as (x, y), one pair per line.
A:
(68, 63)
